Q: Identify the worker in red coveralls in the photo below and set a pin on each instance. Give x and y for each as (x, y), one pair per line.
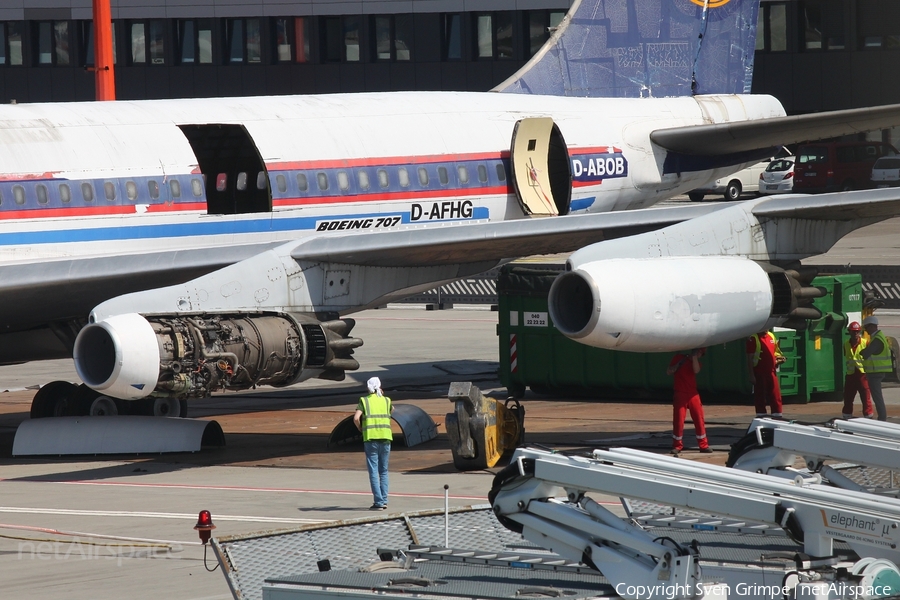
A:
(763, 358)
(855, 375)
(685, 368)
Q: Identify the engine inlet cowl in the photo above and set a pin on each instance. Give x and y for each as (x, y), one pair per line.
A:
(132, 356)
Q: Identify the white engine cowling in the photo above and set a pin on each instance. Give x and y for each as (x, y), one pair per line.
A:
(118, 356)
(662, 304)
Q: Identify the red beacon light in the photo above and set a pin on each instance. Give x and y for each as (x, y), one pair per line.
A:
(204, 526)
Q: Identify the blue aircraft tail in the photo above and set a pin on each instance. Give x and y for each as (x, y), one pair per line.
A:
(645, 48)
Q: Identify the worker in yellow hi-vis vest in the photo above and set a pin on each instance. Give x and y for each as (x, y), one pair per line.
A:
(877, 363)
(855, 374)
(373, 419)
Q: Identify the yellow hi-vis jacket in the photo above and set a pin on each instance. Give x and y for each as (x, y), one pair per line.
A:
(881, 362)
(758, 351)
(854, 357)
(376, 417)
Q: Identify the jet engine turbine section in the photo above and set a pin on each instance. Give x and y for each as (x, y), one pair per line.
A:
(663, 304)
(132, 356)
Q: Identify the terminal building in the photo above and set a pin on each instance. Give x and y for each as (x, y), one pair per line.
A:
(813, 55)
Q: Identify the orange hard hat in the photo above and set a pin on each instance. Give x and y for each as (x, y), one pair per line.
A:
(854, 326)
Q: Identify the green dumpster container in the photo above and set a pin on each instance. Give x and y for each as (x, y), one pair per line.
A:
(534, 354)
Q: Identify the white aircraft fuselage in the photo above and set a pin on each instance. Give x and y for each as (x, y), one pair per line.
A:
(101, 179)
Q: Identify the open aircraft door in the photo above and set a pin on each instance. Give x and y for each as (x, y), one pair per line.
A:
(237, 181)
(542, 177)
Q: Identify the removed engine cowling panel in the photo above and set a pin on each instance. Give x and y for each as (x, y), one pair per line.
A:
(671, 304)
(132, 356)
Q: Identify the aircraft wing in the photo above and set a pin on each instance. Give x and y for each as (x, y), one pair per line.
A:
(839, 206)
(745, 136)
(46, 302)
(459, 244)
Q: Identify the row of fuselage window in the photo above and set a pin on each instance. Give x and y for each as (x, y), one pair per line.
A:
(363, 180)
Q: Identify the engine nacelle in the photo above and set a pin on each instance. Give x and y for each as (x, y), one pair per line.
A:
(669, 304)
(131, 356)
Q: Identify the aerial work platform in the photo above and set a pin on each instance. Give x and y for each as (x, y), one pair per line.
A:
(775, 447)
(776, 543)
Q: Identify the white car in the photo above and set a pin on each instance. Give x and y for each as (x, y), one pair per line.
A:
(886, 172)
(745, 181)
(778, 178)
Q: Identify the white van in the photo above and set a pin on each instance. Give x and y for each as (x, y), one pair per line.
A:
(745, 181)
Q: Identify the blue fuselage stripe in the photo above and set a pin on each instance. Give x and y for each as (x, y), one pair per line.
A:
(269, 223)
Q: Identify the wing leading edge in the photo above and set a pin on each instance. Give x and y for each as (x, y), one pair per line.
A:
(748, 136)
(481, 242)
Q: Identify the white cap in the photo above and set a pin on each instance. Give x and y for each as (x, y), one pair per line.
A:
(374, 384)
(873, 320)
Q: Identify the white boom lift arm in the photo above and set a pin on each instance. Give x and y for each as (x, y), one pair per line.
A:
(543, 495)
(773, 447)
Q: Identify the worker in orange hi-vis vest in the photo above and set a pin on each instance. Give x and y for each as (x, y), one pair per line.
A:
(763, 358)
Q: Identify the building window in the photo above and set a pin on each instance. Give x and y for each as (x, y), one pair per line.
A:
(11, 43)
(771, 28)
(878, 23)
(242, 41)
(341, 39)
(484, 36)
(451, 41)
(538, 26)
(87, 42)
(494, 35)
(822, 24)
(148, 42)
(393, 35)
(194, 41)
(51, 39)
(291, 37)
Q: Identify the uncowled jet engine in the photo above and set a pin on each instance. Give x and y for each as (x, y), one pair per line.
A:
(671, 304)
(131, 356)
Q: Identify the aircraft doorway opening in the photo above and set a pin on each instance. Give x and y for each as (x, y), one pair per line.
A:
(235, 175)
(541, 173)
